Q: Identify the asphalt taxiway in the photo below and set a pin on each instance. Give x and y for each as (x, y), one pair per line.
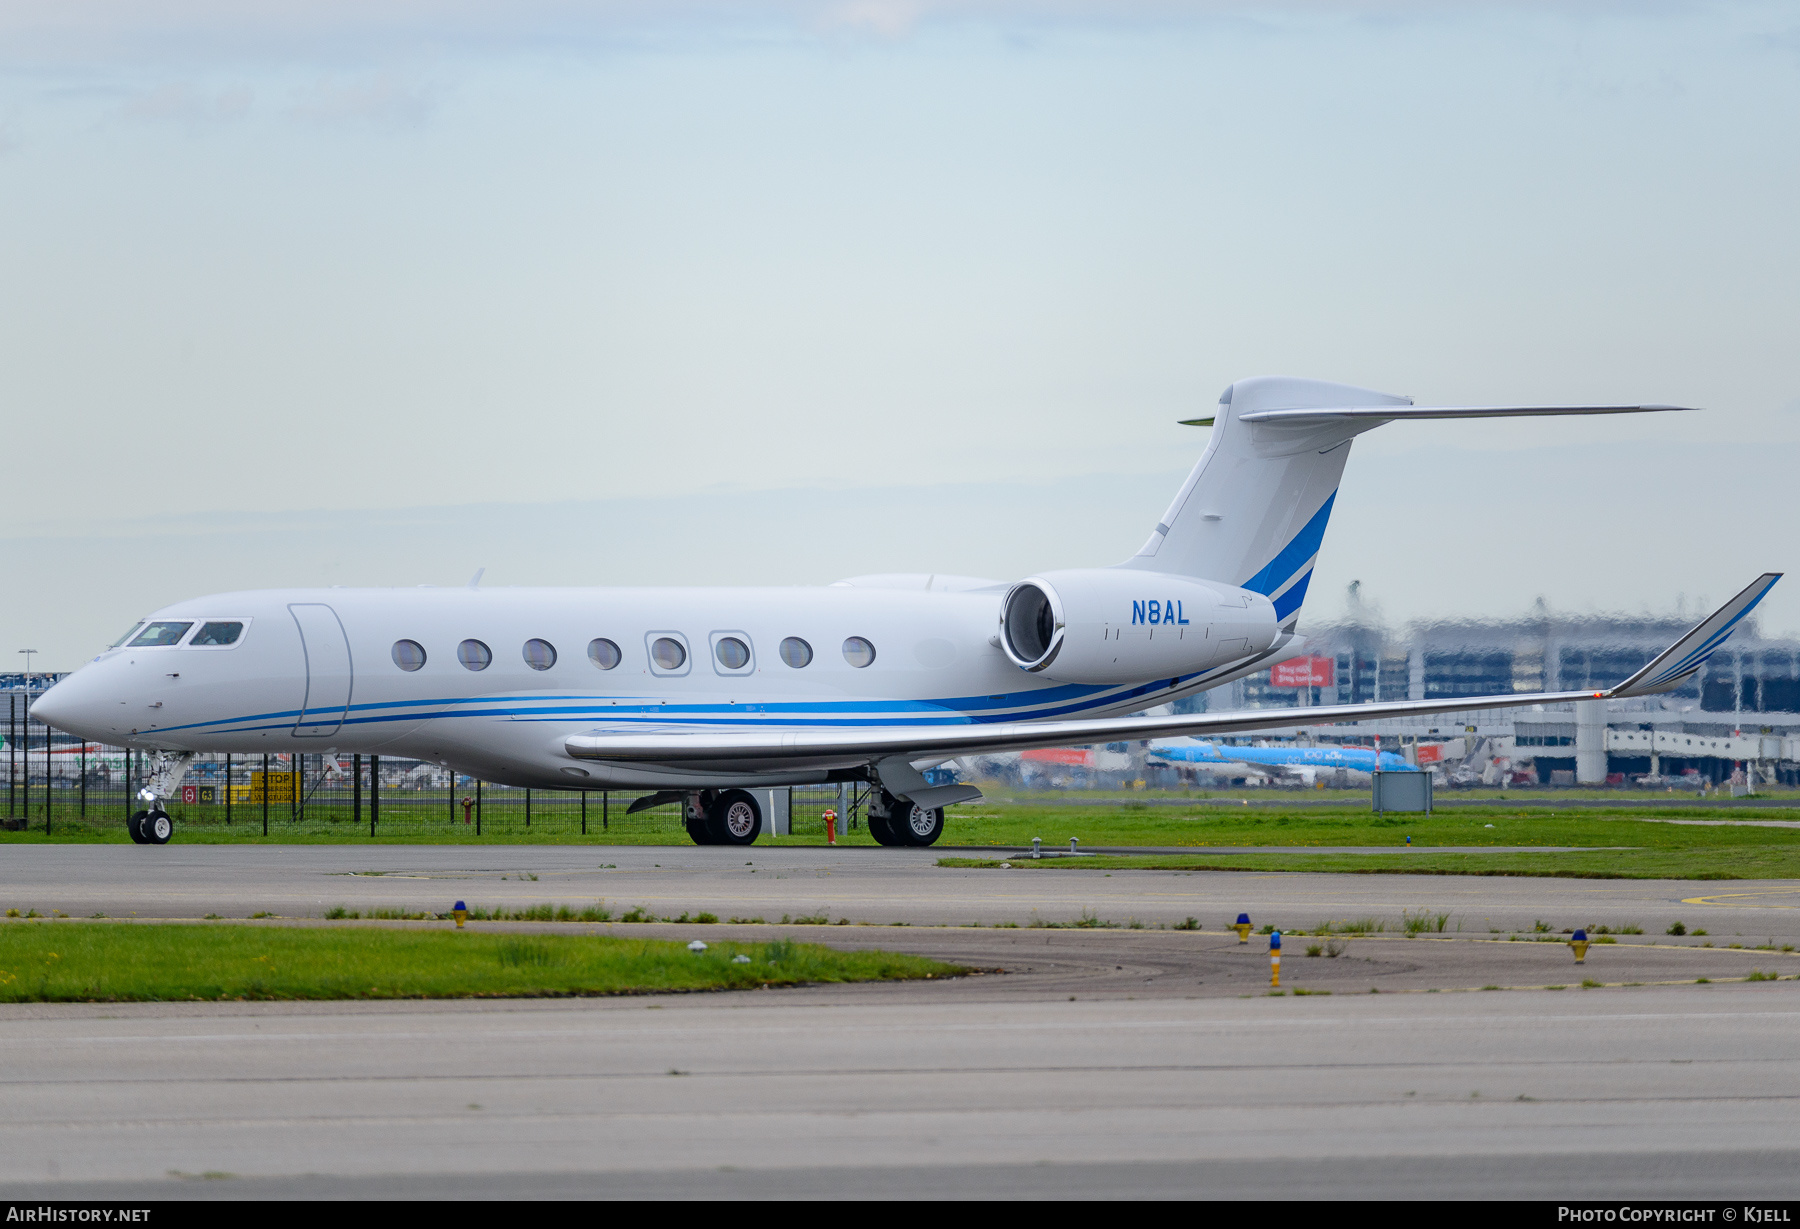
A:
(872, 885)
(1084, 1062)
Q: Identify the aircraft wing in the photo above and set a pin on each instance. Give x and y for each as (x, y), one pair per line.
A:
(815, 746)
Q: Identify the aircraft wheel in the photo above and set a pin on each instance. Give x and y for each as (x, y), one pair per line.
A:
(157, 827)
(700, 831)
(735, 819)
(881, 827)
(134, 826)
(918, 826)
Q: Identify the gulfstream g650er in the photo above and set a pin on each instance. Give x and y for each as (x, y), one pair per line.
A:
(698, 693)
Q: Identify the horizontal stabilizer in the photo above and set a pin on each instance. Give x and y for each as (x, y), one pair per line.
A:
(1397, 412)
(1681, 660)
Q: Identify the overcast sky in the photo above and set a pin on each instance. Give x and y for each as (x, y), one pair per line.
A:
(312, 293)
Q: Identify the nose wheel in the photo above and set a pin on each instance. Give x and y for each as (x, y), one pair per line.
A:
(152, 827)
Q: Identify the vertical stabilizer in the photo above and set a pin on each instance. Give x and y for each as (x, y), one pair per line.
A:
(1253, 511)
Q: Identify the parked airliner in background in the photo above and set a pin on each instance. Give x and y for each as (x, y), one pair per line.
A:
(698, 693)
(1305, 760)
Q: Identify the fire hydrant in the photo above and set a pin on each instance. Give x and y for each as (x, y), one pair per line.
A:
(468, 805)
(1579, 942)
(830, 826)
(460, 913)
(1242, 926)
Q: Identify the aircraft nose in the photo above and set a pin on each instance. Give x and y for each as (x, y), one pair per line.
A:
(52, 708)
(65, 707)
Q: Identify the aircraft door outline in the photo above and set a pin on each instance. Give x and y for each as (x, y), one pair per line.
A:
(329, 675)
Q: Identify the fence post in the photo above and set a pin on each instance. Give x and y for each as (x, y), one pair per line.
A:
(49, 795)
(25, 755)
(84, 778)
(12, 720)
(605, 807)
(228, 789)
(265, 793)
(356, 793)
(478, 806)
(528, 806)
(374, 792)
(584, 812)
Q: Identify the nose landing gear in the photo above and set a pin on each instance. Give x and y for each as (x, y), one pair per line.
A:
(152, 826)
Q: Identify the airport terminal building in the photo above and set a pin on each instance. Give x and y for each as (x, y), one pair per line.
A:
(1743, 706)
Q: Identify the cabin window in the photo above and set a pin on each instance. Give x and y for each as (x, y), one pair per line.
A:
(859, 652)
(604, 653)
(732, 653)
(668, 654)
(409, 654)
(217, 634)
(159, 635)
(796, 652)
(128, 635)
(540, 654)
(474, 655)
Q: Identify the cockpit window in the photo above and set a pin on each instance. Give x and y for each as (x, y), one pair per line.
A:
(160, 634)
(217, 634)
(128, 635)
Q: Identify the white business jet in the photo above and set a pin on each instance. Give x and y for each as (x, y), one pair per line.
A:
(696, 694)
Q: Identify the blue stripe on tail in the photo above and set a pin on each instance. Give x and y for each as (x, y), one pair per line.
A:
(1293, 556)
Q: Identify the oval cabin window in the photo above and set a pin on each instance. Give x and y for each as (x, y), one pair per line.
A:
(733, 653)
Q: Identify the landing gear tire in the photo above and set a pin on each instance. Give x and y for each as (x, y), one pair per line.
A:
(883, 827)
(916, 825)
(134, 826)
(157, 827)
(735, 819)
(700, 831)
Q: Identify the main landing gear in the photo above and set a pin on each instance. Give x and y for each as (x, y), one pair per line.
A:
(897, 821)
(730, 817)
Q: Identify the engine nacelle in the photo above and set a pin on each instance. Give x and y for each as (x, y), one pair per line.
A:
(1117, 625)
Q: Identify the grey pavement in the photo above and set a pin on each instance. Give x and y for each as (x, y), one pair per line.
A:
(1082, 1063)
(1653, 1092)
(878, 886)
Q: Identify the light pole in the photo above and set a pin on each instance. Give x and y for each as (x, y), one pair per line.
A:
(28, 653)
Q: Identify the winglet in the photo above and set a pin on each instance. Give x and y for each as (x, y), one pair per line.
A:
(1681, 660)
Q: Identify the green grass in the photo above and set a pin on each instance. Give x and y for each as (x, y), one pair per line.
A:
(116, 961)
(1274, 817)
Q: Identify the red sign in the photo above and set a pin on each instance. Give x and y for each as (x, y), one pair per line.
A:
(1303, 672)
(1430, 753)
(190, 794)
(1077, 757)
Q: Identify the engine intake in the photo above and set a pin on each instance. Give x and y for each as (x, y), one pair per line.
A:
(1117, 625)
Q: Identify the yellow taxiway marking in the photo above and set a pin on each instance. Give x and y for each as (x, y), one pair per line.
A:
(1753, 899)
